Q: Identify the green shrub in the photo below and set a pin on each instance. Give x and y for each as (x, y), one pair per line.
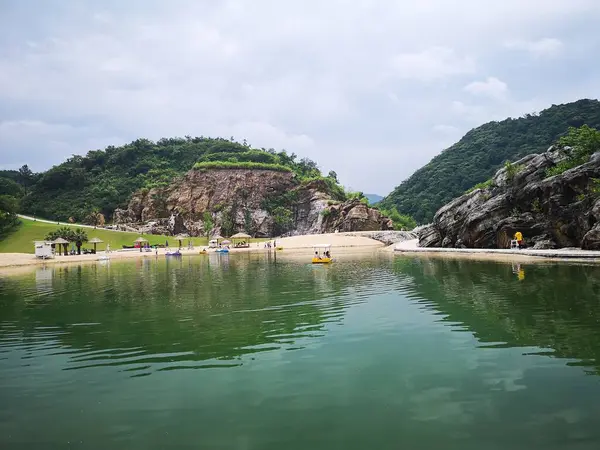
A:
(512, 170)
(483, 185)
(536, 206)
(223, 165)
(583, 141)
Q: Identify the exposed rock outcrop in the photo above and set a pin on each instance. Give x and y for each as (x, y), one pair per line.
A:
(554, 212)
(260, 202)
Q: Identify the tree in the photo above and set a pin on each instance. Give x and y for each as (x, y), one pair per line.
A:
(282, 220)
(208, 222)
(8, 213)
(333, 176)
(79, 236)
(26, 177)
(95, 218)
(62, 232)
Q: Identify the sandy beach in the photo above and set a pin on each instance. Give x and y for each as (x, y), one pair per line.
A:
(301, 245)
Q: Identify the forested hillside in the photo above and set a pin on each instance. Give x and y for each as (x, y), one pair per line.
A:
(481, 152)
(103, 180)
(14, 184)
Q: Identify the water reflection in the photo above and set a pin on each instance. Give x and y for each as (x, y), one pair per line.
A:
(555, 309)
(174, 313)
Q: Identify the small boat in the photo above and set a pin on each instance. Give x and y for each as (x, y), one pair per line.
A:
(175, 253)
(103, 258)
(203, 252)
(279, 248)
(322, 254)
(222, 250)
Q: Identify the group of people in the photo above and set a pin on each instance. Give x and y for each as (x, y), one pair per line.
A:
(326, 254)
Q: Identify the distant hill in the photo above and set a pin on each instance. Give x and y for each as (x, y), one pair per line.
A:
(104, 180)
(481, 152)
(373, 198)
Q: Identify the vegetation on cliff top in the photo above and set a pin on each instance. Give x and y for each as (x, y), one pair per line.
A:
(101, 181)
(481, 152)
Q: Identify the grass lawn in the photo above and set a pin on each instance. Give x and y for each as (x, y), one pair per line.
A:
(21, 240)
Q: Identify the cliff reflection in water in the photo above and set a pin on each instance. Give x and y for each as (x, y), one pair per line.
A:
(551, 306)
(163, 315)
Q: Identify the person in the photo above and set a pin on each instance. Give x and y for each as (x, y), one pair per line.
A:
(156, 250)
(107, 248)
(317, 255)
(327, 255)
(519, 239)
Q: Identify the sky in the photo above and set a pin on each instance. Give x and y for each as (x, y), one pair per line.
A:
(370, 89)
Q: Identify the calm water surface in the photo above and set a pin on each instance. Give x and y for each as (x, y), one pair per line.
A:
(246, 352)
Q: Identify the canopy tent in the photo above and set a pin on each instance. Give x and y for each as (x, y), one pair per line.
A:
(241, 236)
(242, 239)
(95, 241)
(322, 246)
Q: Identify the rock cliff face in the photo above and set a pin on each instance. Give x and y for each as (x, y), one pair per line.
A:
(261, 202)
(555, 212)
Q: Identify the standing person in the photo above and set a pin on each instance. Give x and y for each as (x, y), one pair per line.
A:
(107, 248)
(156, 250)
(519, 239)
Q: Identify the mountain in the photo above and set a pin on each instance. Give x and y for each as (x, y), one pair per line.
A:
(552, 198)
(189, 185)
(373, 198)
(481, 152)
(104, 180)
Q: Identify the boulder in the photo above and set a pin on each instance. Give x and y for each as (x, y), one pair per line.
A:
(551, 212)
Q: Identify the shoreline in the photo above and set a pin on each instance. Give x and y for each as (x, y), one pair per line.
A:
(297, 245)
(301, 247)
(410, 248)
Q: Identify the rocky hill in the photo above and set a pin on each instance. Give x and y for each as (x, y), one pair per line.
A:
(553, 198)
(261, 202)
(481, 152)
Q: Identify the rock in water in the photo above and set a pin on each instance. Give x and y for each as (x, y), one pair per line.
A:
(551, 212)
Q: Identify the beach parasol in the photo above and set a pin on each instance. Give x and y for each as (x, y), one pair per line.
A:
(217, 237)
(60, 241)
(226, 242)
(181, 237)
(141, 239)
(95, 241)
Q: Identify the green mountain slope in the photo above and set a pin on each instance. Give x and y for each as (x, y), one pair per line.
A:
(481, 152)
(104, 180)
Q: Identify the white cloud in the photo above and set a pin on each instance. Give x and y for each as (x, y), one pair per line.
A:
(492, 87)
(542, 48)
(431, 64)
(329, 80)
(446, 129)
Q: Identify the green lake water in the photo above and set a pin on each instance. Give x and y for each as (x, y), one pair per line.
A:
(249, 352)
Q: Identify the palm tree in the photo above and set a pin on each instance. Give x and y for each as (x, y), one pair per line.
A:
(62, 232)
(79, 236)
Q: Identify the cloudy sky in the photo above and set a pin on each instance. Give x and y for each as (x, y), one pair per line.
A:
(371, 89)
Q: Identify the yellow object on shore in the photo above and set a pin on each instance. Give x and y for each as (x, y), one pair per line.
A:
(278, 248)
(518, 236)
